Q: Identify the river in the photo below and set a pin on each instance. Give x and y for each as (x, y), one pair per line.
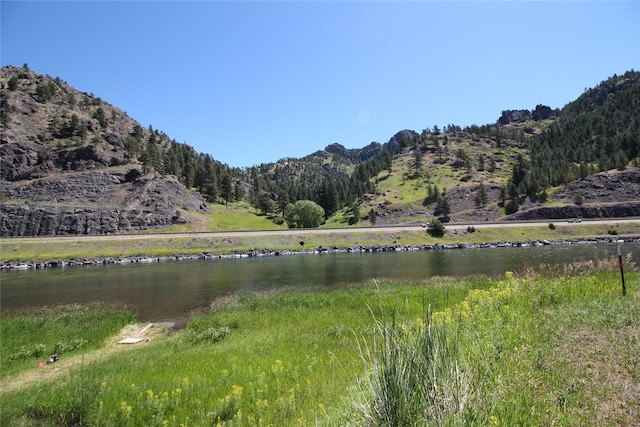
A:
(168, 290)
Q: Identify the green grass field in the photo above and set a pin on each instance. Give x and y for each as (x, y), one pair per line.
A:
(554, 346)
(33, 335)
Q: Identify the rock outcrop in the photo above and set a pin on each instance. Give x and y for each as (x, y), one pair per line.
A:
(595, 211)
(95, 202)
(70, 163)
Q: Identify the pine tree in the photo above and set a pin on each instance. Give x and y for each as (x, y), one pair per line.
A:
(226, 188)
(417, 161)
(481, 198)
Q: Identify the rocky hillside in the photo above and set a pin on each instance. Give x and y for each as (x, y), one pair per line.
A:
(69, 164)
(612, 194)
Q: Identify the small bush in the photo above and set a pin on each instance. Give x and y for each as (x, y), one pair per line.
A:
(471, 229)
(613, 232)
(436, 228)
(511, 208)
(208, 335)
(542, 196)
(552, 226)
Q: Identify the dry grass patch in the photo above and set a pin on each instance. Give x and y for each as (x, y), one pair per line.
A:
(603, 378)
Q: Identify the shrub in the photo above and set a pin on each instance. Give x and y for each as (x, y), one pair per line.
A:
(13, 83)
(511, 207)
(552, 226)
(211, 334)
(304, 214)
(543, 196)
(435, 228)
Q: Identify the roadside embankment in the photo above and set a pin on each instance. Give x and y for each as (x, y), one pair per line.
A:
(98, 260)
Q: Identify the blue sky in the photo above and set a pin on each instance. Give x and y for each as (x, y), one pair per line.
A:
(253, 82)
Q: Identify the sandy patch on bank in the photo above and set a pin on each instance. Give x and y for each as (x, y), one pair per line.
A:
(147, 331)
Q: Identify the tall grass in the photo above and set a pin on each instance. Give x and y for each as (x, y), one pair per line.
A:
(414, 375)
(507, 355)
(282, 358)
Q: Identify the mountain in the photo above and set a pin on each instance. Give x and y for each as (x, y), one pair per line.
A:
(71, 163)
(68, 164)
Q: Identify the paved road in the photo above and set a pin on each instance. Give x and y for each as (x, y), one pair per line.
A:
(311, 231)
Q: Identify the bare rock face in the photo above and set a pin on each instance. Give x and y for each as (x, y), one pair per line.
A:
(95, 202)
(612, 194)
(596, 211)
(613, 186)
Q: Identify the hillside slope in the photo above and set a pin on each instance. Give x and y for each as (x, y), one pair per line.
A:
(69, 165)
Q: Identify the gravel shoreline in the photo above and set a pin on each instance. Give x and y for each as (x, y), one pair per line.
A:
(10, 265)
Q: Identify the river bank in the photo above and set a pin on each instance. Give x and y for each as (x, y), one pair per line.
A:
(523, 350)
(142, 259)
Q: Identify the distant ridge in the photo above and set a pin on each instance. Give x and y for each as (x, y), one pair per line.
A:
(70, 163)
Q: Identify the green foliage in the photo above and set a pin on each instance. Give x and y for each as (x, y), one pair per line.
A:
(211, 335)
(433, 195)
(596, 129)
(443, 208)
(417, 161)
(5, 112)
(542, 196)
(45, 92)
(12, 84)
(435, 228)
(284, 365)
(578, 199)
(265, 204)
(482, 198)
(328, 197)
(43, 155)
(60, 128)
(372, 216)
(282, 201)
(151, 159)
(511, 207)
(226, 187)
(355, 214)
(437, 352)
(100, 116)
(304, 214)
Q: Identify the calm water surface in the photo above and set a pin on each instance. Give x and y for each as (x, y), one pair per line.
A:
(159, 291)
